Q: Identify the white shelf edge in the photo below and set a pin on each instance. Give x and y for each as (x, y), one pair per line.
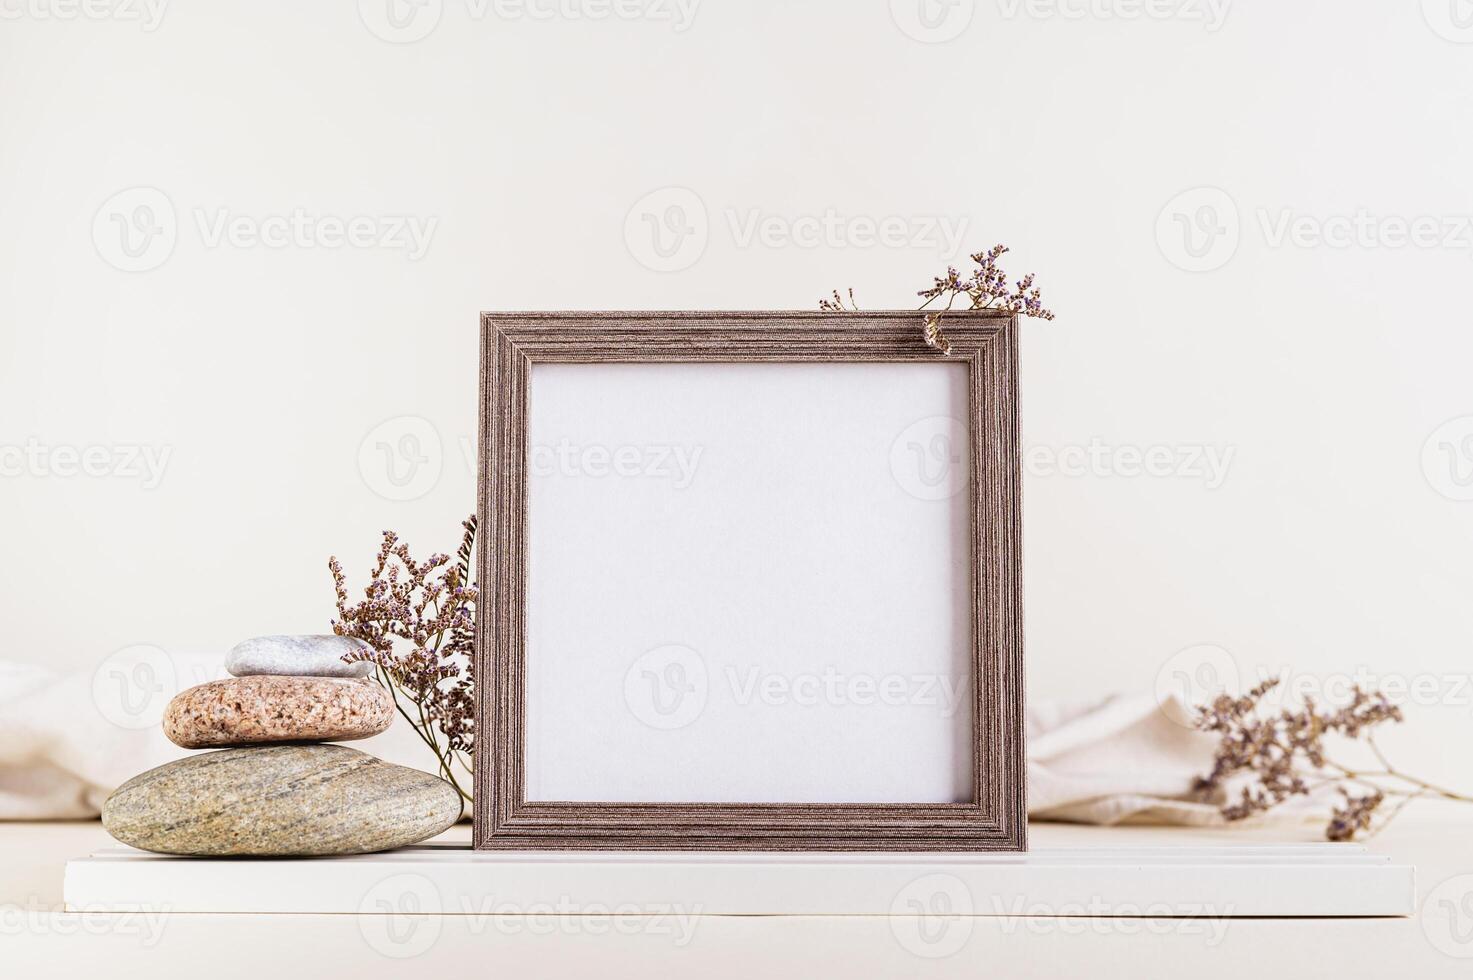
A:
(1316, 880)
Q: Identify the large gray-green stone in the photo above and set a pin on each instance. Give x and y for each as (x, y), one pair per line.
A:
(279, 800)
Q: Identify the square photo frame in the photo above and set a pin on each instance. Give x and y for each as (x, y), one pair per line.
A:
(750, 581)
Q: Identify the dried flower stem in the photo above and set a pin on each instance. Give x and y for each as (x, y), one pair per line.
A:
(986, 288)
(1283, 756)
(418, 622)
(1421, 788)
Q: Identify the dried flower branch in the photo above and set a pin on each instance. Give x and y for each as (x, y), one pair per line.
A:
(1277, 757)
(836, 305)
(418, 619)
(985, 288)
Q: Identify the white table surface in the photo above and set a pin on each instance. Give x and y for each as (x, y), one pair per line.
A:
(37, 938)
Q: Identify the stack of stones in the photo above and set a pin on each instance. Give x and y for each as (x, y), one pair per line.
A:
(274, 786)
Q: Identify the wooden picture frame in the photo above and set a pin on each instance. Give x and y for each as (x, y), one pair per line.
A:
(986, 343)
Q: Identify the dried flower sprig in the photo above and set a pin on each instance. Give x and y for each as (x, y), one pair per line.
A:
(418, 620)
(1279, 756)
(985, 288)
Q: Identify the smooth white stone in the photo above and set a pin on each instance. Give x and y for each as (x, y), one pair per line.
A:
(297, 656)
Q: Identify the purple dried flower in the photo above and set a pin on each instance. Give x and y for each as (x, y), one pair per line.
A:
(1280, 755)
(418, 620)
(985, 288)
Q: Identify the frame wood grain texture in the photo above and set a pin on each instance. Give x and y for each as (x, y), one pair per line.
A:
(996, 817)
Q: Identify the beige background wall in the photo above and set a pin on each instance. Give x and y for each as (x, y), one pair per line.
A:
(1252, 219)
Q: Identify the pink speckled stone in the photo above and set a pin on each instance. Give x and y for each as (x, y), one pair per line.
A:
(269, 708)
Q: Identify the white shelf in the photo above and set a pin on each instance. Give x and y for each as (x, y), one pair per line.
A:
(1294, 880)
